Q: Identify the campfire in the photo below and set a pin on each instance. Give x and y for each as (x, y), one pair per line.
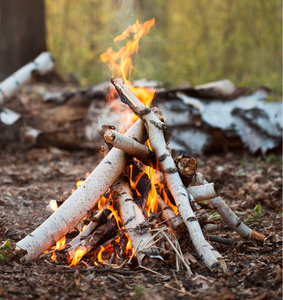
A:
(138, 205)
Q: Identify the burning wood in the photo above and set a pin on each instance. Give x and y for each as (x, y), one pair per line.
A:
(76, 207)
(142, 208)
(155, 129)
(132, 218)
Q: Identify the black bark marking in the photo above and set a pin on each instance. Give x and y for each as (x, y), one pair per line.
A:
(238, 223)
(215, 265)
(191, 219)
(171, 170)
(163, 156)
(129, 220)
(166, 207)
(159, 125)
(144, 111)
(129, 199)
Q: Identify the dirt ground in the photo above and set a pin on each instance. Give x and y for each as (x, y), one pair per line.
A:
(30, 178)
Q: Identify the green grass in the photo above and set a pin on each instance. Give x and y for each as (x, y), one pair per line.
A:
(193, 42)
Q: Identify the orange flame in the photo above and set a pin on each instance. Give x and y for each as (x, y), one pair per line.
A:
(78, 256)
(102, 202)
(120, 63)
(129, 245)
(78, 184)
(59, 245)
(99, 256)
(53, 205)
(167, 201)
(53, 257)
(115, 214)
(152, 202)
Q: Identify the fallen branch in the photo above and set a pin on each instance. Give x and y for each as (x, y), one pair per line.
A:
(228, 215)
(77, 206)
(42, 64)
(155, 129)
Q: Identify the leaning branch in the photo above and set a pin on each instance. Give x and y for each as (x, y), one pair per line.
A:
(228, 215)
(77, 206)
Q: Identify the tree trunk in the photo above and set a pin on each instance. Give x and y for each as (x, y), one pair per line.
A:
(22, 36)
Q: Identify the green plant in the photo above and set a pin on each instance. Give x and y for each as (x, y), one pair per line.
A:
(138, 290)
(3, 248)
(256, 215)
(215, 216)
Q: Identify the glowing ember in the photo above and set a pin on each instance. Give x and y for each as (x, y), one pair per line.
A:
(53, 205)
(78, 256)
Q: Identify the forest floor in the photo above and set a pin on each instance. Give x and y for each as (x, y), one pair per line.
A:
(30, 178)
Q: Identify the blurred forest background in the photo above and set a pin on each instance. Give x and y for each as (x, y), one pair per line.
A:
(193, 42)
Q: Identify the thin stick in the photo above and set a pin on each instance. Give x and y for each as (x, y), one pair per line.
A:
(143, 267)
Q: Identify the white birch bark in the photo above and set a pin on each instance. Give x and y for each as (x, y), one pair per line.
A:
(202, 192)
(132, 217)
(77, 206)
(130, 146)
(228, 215)
(155, 129)
(168, 214)
(42, 64)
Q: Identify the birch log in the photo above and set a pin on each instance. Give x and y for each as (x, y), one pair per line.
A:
(228, 215)
(132, 217)
(203, 192)
(130, 146)
(155, 129)
(42, 64)
(77, 206)
(167, 214)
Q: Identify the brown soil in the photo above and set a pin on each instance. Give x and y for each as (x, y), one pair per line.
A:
(30, 178)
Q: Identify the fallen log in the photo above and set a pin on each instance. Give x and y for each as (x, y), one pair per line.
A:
(42, 64)
(155, 129)
(77, 206)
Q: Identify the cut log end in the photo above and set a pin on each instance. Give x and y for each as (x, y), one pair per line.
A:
(257, 236)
